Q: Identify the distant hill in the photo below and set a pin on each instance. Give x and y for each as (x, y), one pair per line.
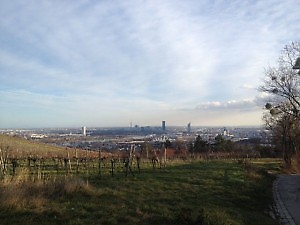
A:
(18, 147)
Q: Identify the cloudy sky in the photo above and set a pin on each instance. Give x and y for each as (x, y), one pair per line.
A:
(109, 63)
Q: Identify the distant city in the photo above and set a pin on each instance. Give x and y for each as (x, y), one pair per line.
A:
(120, 138)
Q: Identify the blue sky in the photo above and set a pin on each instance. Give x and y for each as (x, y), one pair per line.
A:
(109, 63)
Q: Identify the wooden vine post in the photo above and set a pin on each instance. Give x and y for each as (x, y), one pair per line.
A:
(128, 163)
(99, 162)
(112, 167)
(69, 163)
(87, 167)
(77, 161)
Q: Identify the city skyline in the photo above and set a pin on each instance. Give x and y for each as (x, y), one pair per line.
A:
(106, 63)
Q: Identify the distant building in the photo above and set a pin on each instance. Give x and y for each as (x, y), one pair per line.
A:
(84, 131)
(225, 132)
(38, 136)
(189, 127)
(163, 125)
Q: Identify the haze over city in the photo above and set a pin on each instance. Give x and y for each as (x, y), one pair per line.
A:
(112, 63)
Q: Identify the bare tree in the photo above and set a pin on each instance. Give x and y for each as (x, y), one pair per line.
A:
(282, 84)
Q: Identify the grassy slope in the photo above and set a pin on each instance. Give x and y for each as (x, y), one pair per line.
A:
(19, 146)
(214, 192)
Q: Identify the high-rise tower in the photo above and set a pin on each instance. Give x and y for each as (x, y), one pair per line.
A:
(84, 131)
(189, 127)
(163, 125)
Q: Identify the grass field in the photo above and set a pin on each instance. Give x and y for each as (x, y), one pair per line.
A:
(203, 192)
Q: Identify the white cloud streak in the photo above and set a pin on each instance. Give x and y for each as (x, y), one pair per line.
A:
(250, 104)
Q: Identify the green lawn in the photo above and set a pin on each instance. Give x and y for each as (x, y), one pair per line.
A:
(205, 192)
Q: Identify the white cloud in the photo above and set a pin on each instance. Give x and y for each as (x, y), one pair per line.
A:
(241, 105)
(250, 104)
(249, 86)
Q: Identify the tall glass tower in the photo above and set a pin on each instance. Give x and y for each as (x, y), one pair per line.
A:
(163, 125)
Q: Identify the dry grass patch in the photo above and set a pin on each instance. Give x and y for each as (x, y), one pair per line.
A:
(19, 193)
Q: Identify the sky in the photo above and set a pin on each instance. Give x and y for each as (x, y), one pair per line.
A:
(106, 63)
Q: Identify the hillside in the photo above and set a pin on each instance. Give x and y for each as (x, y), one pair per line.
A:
(199, 192)
(17, 147)
(59, 191)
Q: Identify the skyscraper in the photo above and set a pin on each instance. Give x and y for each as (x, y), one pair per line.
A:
(163, 125)
(84, 131)
(189, 127)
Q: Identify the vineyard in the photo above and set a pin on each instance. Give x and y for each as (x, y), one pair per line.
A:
(46, 167)
(43, 162)
(42, 184)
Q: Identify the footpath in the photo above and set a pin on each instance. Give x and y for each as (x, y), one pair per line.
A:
(286, 191)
